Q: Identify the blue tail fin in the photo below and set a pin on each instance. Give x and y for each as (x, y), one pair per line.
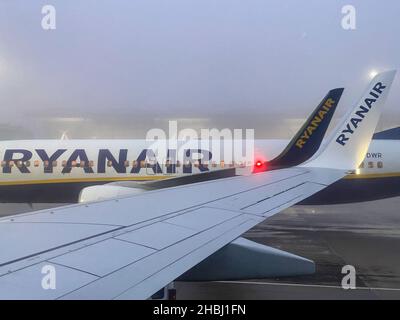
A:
(308, 139)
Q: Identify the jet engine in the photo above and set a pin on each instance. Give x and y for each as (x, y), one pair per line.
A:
(103, 192)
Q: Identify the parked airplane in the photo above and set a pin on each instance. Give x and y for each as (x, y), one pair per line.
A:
(58, 170)
(68, 171)
(130, 247)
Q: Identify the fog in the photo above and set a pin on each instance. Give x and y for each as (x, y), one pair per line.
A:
(114, 69)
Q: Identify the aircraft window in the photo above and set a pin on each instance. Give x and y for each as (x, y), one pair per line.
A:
(82, 164)
(178, 163)
(196, 164)
(73, 163)
(214, 164)
(64, 163)
(3, 163)
(19, 163)
(11, 163)
(222, 164)
(134, 164)
(46, 163)
(126, 163)
(109, 163)
(380, 164)
(36, 163)
(54, 163)
(91, 163)
(143, 164)
(27, 163)
(370, 164)
(361, 166)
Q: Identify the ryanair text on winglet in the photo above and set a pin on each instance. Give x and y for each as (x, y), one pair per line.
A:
(359, 115)
(315, 123)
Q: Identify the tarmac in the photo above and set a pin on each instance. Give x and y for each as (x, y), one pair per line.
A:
(364, 235)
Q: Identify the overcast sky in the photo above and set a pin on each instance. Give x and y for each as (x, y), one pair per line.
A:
(116, 68)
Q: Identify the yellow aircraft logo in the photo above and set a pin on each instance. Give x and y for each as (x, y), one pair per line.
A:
(315, 122)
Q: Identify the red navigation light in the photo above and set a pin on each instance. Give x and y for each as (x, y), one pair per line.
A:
(259, 164)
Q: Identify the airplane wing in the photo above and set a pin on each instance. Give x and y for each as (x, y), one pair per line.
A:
(129, 248)
(132, 247)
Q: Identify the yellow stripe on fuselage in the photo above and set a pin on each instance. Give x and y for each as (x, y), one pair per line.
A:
(144, 178)
(72, 180)
(373, 175)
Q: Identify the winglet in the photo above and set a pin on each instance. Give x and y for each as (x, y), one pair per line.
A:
(347, 146)
(308, 139)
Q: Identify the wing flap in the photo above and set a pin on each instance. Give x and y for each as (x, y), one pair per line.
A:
(143, 278)
(103, 257)
(145, 236)
(25, 240)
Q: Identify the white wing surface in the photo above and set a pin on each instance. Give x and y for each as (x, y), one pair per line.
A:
(130, 248)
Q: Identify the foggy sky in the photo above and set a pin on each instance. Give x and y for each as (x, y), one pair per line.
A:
(113, 69)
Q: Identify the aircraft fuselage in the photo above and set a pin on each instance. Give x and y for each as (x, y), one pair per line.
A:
(57, 170)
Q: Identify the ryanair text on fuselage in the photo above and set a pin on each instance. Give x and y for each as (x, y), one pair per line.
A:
(22, 160)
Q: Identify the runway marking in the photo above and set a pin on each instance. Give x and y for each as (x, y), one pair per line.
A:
(306, 285)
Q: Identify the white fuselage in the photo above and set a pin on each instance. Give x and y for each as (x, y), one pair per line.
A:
(57, 170)
(113, 160)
